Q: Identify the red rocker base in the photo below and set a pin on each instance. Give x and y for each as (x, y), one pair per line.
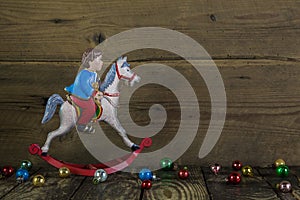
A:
(89, 169)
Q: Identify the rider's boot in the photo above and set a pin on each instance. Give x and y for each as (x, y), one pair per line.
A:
(85, 128)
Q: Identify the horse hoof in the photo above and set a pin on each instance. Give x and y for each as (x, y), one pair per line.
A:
(44, 154)
(135, 147)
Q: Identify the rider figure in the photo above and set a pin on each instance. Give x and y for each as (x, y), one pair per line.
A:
(85, 87)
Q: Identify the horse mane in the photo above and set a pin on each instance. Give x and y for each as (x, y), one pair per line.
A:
(109, 78)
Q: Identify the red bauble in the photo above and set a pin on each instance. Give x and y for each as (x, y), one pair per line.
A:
(215, 168)
(147, 184)
(7, 171)
(237, 165)
(234, 178)
(183, 173)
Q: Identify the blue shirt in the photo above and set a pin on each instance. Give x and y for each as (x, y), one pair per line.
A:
(82, 86)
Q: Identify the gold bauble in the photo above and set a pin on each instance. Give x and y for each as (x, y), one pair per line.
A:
(247, 170)
(279, 162)
(64, 172)
(38, 180)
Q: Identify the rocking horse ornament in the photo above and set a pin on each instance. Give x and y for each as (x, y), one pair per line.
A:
(89, 101)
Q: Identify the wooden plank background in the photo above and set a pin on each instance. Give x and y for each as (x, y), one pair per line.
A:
(255, 45)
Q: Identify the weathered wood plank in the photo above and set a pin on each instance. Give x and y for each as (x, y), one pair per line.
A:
(117, 186)
(248, 188)
(270, 176)
(172, 187)
(8, 185)
(127, 186)
(35, 30)
(54, 187)
(262, 105)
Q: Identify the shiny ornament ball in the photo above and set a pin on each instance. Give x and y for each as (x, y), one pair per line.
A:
(96, 181)
(282, 170)
(279, 162)
(237, 165)
(145, 174)
(38, 180)
(22, 175)
(284, 186)
(215, 168)
(64, 172)
(183, 173)
(100, 175)
(247, 170)
(234, 178)
(146, 184)
(26, 164)
(166, 164)
(7, 171)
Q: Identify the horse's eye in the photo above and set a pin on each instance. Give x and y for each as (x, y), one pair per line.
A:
(128, 70)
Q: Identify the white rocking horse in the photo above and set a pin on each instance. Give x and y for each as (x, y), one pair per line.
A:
(120, 70)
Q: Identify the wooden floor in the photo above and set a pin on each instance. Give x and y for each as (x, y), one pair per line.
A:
(202, 184)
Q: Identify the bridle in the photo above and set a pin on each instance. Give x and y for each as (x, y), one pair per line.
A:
(120, 76)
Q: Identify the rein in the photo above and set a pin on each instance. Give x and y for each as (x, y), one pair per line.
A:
(120, 76)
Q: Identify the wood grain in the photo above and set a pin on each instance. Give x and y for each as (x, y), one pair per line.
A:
(248, 188)
(127, 186)
(172, 187)
(54, 187)
(202, 184)
(62, 30)
(262, 111)
(9, 184)
(270, 176)
(118, 186)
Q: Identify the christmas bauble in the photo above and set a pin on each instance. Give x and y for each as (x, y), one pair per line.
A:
(22, 175)
(282, 170)
(247, 170)
(183, 173)
(166, 164)
(215, 168)
(279, 162)
(284, 186)
(234, 178)
(145, 174)
(237, 165)
(7, 171)
(26, 164)
(64, 172)
(146, 184)
(100, 175)
(38, 180)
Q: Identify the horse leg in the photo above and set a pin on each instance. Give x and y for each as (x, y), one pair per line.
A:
(67, 121)
(114, 122)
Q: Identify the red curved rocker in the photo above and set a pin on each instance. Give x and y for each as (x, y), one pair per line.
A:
(89, 169)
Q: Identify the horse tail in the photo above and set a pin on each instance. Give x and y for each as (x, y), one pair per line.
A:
(52, 103)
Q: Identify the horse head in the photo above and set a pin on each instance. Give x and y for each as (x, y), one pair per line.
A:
(125, 73)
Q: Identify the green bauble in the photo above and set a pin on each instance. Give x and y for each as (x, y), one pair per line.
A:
(26, 164)
(282, 170)
(96, 181)
(166, 164)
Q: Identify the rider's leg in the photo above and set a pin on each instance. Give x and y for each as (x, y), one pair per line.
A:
(88, 109)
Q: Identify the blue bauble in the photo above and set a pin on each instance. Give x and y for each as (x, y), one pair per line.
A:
(22, 175)
(145, 174)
